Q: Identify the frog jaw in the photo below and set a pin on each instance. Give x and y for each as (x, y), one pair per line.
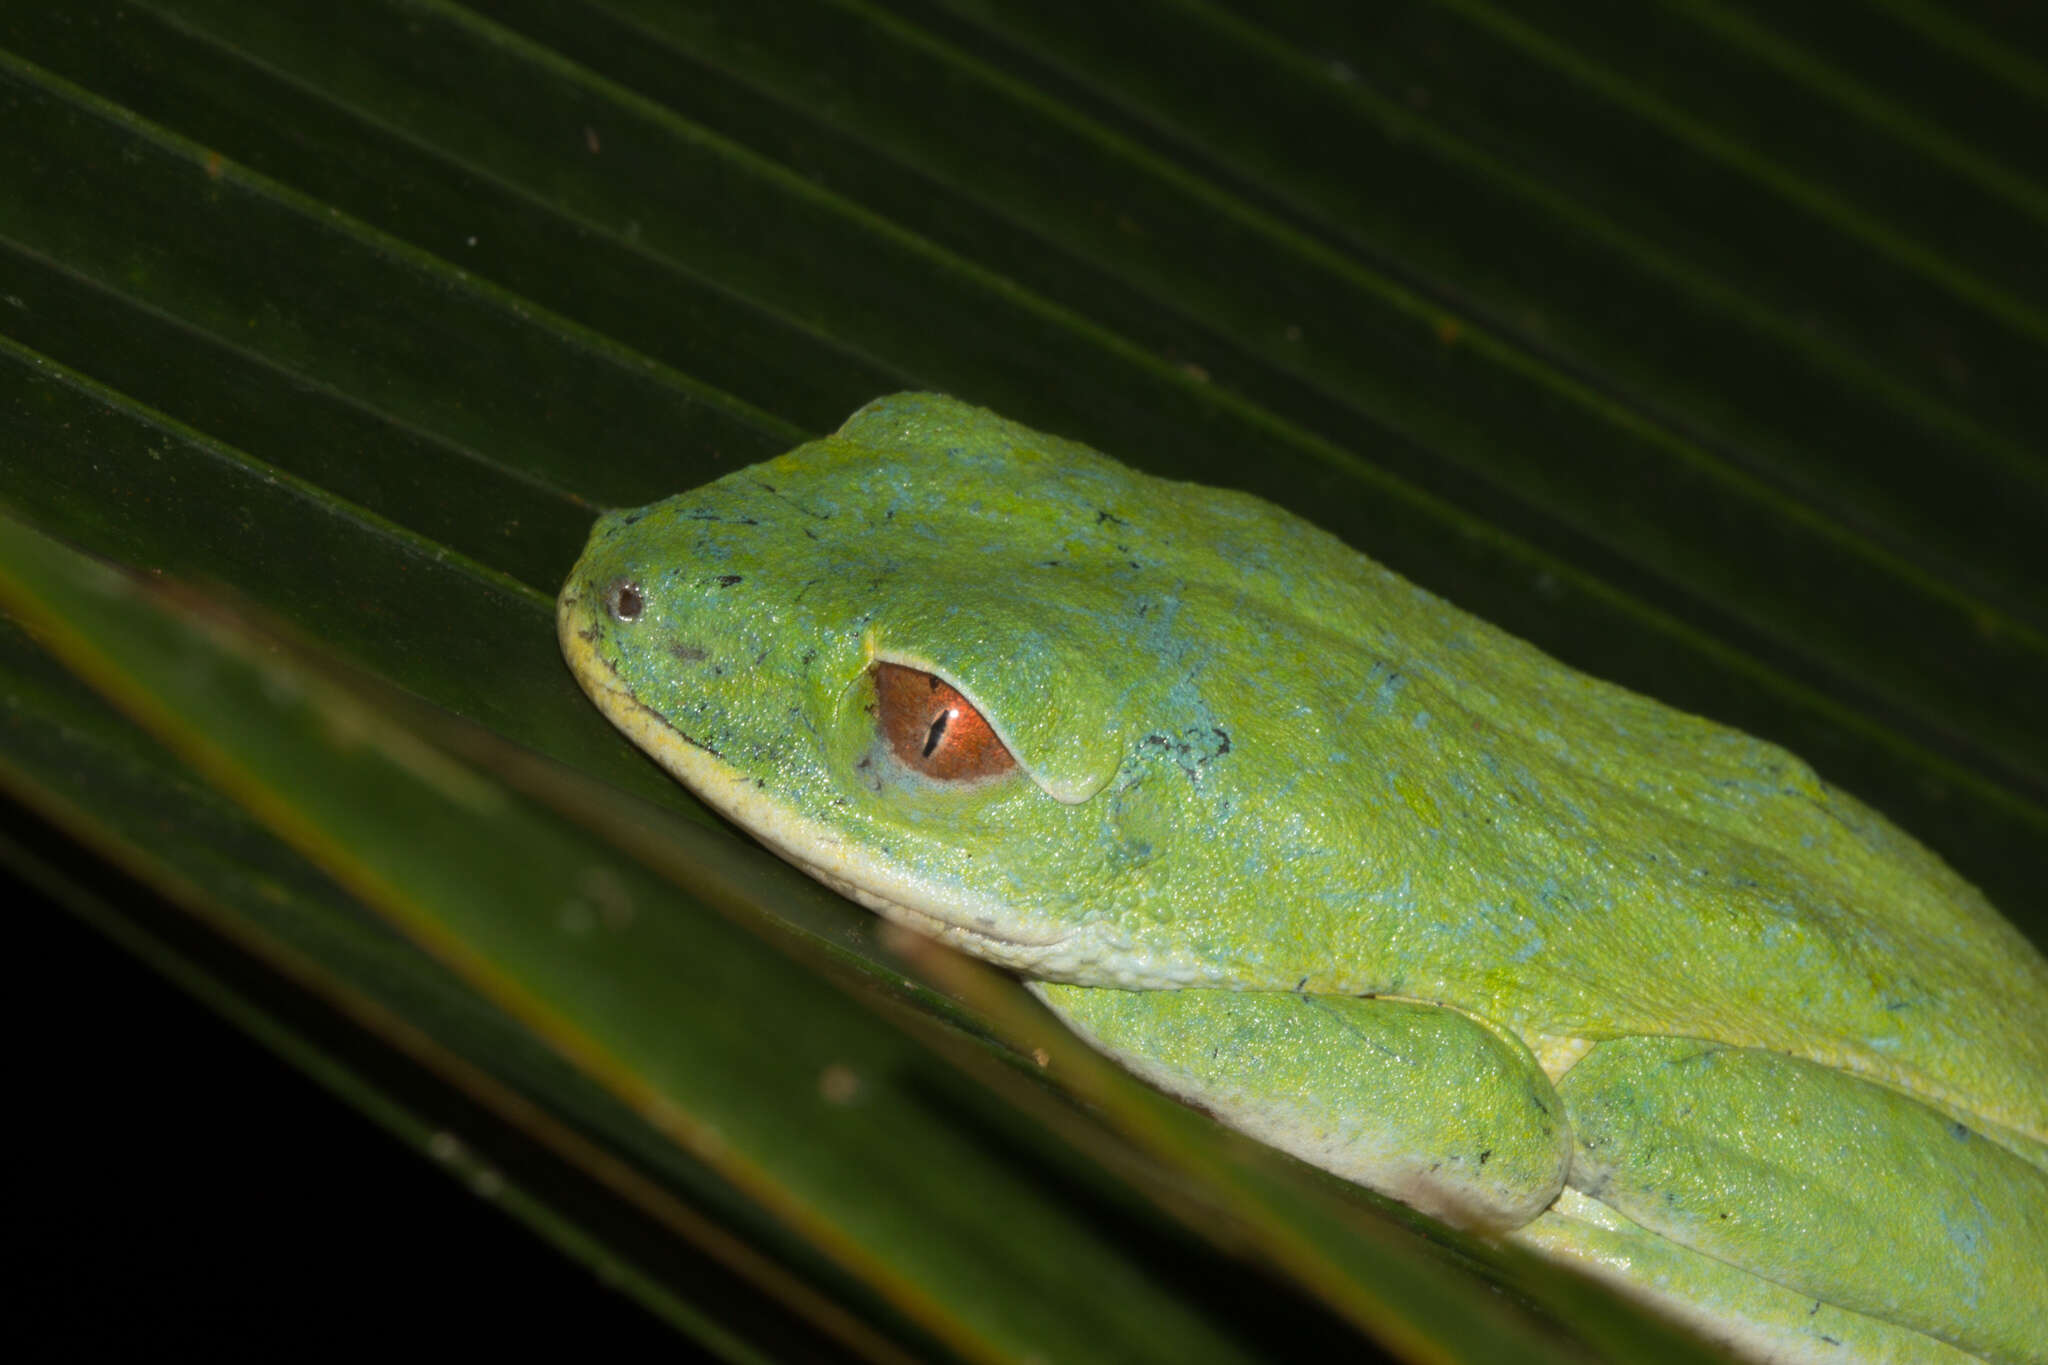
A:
(807, 844)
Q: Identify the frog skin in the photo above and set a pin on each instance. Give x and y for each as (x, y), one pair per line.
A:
(1359, 874)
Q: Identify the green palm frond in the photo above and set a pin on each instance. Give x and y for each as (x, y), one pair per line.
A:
(1696, 342)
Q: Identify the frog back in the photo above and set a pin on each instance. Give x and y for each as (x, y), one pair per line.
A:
(1575, 861)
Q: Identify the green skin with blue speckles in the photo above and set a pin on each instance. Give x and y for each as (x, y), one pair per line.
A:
(1364, 876)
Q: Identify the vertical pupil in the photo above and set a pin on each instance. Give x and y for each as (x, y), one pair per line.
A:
(937, 732)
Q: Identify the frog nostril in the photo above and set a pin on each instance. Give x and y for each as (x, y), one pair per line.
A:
(624, 601)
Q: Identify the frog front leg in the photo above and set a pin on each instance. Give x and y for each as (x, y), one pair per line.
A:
(1416, 1101)
(1840, 1189)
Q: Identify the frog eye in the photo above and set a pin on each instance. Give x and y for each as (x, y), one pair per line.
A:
(933, 730)
(625, 601)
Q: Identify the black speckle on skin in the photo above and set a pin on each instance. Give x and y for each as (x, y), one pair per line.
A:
(1191, 750)
(775, 492)
(726, 580)
(687, 654)
(706, 514)
(633, 517)
(1486, 1156)
(1112, 518)
(1959, 1131)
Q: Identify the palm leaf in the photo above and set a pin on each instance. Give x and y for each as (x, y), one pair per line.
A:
(1694, 342)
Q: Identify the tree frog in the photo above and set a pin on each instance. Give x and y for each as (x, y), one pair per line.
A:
(1358, 873)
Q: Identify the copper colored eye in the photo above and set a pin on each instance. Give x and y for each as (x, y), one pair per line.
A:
(934, 730)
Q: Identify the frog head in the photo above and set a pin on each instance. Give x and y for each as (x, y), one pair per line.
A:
(922, 659)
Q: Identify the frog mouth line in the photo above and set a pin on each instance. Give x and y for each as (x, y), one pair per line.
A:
(794, 839)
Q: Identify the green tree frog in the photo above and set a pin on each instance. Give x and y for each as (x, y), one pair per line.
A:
(1358, 873)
